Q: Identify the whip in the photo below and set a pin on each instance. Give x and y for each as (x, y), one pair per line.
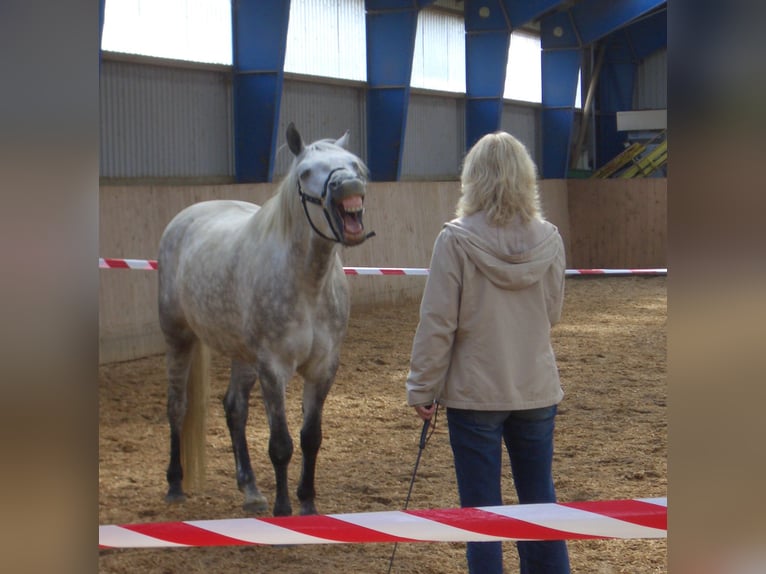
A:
(424, 436)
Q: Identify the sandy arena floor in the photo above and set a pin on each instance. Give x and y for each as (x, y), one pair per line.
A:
(611, 443)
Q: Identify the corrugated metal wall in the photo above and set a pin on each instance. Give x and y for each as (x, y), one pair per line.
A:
(164, 122)
(434, 144)
(434, 139)
(652, 82)
(523, 122)
(321, 110)
(158, 121)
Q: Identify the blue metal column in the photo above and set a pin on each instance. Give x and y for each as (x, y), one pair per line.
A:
(487, 37)
(391, 26)
(561, 60)
(648, 35)
(101, 8)
(584, 23)
(521, 12)
(259, 35)
(488, 25)
(624, 50)
(596, 20)
(615, 94)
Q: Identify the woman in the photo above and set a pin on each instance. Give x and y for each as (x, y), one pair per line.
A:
(483, 348)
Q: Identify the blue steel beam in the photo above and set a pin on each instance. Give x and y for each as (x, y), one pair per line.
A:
(393, 5)
(487, 37)
(624, 50)
(614, 94)
(648, 35)
(259, 36)
(559, 76)
(522, 12)
(566, 32)
(592, 20)
(486, 16)
(488, 25)
(101, 7)
(391, 26)
(596, 19)
(558, 32)
(561, 60)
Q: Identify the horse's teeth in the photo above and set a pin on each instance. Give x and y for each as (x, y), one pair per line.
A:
(353, 204)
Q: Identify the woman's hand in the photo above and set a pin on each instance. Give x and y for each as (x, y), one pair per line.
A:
(425, 412)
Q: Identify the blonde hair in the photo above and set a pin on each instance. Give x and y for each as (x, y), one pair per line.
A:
(500, 178)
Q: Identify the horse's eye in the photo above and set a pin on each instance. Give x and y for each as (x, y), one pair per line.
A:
(305, 174)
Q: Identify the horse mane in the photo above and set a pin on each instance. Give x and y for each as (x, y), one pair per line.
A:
(278, 213)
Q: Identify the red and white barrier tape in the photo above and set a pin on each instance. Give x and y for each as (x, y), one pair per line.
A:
(109, 263)
(652, 271)
(148, 264)
(632, 518)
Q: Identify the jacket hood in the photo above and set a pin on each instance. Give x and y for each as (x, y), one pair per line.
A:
(513, 256)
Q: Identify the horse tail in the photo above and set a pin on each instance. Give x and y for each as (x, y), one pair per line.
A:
(194, 432)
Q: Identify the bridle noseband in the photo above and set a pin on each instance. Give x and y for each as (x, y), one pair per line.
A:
(321, 202)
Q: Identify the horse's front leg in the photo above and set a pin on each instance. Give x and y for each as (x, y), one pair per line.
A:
(280, 442)
(235, 404)
(314, 395)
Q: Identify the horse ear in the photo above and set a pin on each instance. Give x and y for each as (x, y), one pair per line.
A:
(342, 141)
(294, 140)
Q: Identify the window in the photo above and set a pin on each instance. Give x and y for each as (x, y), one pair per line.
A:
(523, 76)
(324, 38)
(438, 61)
(193, 30)
(327, 38)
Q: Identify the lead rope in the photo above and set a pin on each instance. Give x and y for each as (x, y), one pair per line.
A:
(424, 438)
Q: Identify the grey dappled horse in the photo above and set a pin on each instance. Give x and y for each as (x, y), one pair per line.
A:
(264, 286)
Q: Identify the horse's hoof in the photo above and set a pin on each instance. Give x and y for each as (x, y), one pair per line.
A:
(308, 509)
(175, 497)
(256, 505)
(283, 510)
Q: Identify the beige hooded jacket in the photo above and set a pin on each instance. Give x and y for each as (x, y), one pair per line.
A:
(492, 295)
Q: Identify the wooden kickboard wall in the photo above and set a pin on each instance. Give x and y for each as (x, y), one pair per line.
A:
(605, 223)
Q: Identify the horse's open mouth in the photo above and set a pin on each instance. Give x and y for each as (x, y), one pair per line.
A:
(349, 213)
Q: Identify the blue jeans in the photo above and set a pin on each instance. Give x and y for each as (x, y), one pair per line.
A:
(476, 438)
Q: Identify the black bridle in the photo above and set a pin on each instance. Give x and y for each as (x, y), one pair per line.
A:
(321, 202)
